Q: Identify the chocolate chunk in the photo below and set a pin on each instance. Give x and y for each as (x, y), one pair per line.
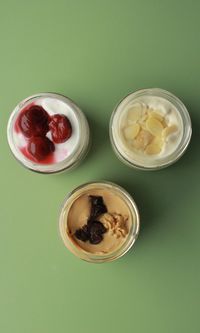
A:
(97, 227)
(94, 229)
(83, 233)
(97, 207)
(96, 239)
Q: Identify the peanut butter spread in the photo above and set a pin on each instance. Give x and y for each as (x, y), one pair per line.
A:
(116, 221)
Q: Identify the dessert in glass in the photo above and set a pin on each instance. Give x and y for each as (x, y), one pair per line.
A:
(48, 133)
(99, 221)
(150, 129)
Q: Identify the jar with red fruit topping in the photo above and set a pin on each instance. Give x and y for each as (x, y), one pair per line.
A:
(48, 133)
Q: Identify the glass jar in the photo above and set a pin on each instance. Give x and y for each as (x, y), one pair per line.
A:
(53, 103)
(161, 99)
(72, 246)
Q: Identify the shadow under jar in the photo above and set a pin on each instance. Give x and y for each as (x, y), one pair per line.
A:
(48, 133)
(99, 222)
(150, 129)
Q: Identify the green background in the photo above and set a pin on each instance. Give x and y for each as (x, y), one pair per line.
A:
(96, 52)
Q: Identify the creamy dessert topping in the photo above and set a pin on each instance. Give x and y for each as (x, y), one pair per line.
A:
(99, 221)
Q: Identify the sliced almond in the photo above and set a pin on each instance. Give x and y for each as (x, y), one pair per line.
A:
(158, 140)
(142, 140)
(169, 130)
(156, 115)
(135, 112)
(144, 115)
(145, 108)
(143, 126)
(132, 131)
(129, 122)
(153, 149)
(150, 110)
(154, 126)
(164, 122)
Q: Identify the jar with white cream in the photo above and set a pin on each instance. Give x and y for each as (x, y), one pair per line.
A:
(150, 129)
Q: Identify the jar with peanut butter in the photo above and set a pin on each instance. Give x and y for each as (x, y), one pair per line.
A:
(99, 222)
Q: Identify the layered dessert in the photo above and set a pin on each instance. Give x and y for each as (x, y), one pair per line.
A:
(148, 128)
(98, 220)
(46, 130)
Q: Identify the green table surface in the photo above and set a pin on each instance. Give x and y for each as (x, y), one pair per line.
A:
(96, 52)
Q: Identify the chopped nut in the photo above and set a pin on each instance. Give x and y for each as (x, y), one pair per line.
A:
(117, 234)
(115, 223)
(108, 220)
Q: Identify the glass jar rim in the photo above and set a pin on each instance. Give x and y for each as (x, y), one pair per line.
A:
(67, 163)
(186, 137)
(87, 256)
